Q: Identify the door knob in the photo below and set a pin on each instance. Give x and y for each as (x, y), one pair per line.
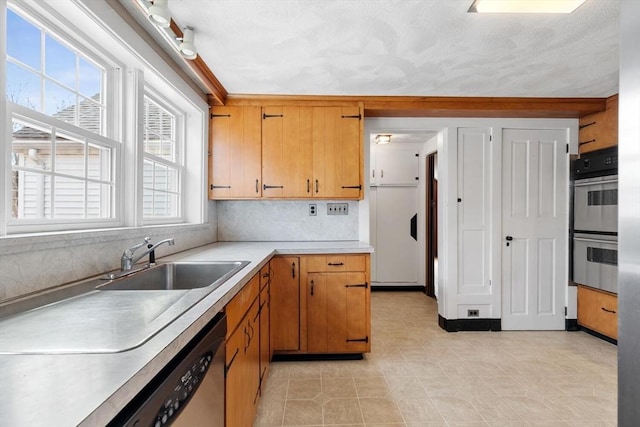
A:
(508, 239)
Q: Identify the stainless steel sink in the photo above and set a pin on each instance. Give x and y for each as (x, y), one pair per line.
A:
(176, 276)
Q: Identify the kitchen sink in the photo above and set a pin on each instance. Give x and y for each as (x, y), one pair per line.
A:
(176, 276)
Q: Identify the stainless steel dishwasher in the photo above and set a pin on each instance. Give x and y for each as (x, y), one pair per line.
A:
(189, 391)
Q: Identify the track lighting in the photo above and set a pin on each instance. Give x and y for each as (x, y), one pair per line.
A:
(159, 13)
(187, 47)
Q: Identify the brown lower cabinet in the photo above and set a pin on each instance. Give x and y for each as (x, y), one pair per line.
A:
(597, 310)
(321, 304)
(242, 369)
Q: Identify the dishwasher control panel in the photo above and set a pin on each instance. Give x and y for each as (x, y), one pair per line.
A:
(184, 388)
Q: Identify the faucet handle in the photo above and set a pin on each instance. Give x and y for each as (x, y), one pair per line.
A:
(133, 248)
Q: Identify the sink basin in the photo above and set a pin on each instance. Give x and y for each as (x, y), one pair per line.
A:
(176, 276)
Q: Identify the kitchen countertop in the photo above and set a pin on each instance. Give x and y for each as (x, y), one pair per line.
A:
(90, 389)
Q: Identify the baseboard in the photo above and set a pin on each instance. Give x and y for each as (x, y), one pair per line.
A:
(598, 335)
(410, 288)
(456, 325)
(571, 325)
(315, 357)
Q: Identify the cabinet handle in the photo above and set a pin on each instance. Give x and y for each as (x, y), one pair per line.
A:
(308, 186)
(359, 187)
(247, 340)
(381, 173)
(607, 310)
(586, 125)
(312, 287)
(265, 275)
(316, 185)
(211, 116)
(227, 367)
(359, 285)
(266, 187)
(373, 173)
(335, 264)
(252, 333)
(359, 117)
(213, 187)
(270, 116)
(293, 270)
(586, 142)
(365, 339)
(257, 186)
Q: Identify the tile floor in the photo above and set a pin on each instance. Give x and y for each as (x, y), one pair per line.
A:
(419, 375)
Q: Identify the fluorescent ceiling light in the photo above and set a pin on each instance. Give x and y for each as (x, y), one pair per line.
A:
(525, 6)
(383, 139)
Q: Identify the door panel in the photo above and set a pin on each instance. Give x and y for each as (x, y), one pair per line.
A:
(474, 211)
(535, 191)
(285, 304)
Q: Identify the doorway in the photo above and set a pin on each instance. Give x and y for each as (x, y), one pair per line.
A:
(431, 228)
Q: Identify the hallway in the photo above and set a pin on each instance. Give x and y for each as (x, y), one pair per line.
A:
(419, 375)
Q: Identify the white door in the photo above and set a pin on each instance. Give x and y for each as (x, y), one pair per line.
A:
(534, 229)
(396, 250)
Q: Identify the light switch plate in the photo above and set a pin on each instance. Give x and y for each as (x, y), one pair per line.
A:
(337, 209)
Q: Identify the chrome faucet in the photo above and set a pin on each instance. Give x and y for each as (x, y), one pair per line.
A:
(128, 260)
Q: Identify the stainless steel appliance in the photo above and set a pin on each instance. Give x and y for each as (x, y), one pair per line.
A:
(595, 220)
(189, 391)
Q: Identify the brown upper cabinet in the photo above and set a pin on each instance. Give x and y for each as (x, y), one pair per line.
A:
(234, 153)
(286, 152)
(303, 152)
(599, 130)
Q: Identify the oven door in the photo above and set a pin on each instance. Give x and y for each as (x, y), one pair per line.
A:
(596, 204)
(595, 261)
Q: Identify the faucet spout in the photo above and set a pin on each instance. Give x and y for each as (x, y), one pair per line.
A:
(128, 259)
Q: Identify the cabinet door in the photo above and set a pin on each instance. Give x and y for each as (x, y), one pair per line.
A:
(337, 152)
(337, 313)
(396, 165)
(599, 130)
(265, 348)
(235, 391)
(287, 150)
(234, 153)
(285, 304)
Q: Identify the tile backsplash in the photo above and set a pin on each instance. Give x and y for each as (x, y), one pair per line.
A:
(284, 220)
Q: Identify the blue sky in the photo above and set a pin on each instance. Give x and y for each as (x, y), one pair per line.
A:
(25, 44)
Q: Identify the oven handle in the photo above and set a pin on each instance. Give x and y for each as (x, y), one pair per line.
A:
(579, 183)
(582, 239)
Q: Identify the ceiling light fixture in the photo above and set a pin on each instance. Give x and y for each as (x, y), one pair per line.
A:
(187, 47)
(525, 6)
(159, 13)
(383, 139)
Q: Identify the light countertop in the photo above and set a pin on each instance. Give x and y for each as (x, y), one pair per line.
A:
(90, 389)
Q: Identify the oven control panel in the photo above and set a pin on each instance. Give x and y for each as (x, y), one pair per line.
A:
(183, 389)
(597, 163)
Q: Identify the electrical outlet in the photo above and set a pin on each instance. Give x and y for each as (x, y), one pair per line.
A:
(337, 209)
(473, 313)
(313, 209)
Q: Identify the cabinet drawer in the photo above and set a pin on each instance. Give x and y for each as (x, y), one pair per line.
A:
(329, 263)
(598, 311)
(239, 305)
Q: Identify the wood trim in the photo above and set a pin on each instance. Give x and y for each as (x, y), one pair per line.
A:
(425, 106)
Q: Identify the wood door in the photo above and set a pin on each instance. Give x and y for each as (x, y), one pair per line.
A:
(337, 153)
(535, 228)
(235, 153)
(287, 151)
(265, 349)
(337, 313)
(252, 374)
(285, 303)
(317, 327)
(235, 368)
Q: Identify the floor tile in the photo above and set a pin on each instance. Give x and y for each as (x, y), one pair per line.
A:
(380, 410)
(342, 411)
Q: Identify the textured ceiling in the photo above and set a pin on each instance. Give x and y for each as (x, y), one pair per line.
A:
(403, 47)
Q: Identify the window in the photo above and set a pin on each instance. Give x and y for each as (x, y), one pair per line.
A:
(162, 169)
(49, 76)
(57, 174)
(81, 151)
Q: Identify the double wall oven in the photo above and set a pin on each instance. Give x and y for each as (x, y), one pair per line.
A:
(595, 220)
